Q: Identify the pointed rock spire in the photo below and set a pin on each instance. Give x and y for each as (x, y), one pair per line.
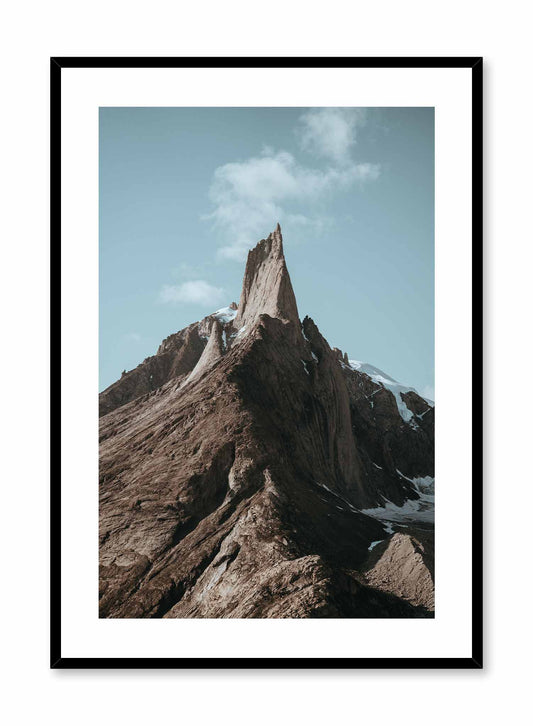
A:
(211, 353)
(267, 288)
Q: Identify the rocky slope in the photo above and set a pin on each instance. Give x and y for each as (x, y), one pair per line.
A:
(236, 463)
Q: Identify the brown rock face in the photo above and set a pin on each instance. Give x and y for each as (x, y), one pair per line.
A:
(231, 487)
(177, 355)
(403, 566)
(387, 444)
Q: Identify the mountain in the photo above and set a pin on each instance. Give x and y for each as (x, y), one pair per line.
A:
(248, 469)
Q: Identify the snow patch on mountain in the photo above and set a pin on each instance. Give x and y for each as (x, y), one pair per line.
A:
(224, 315)
(413, 510)
(383, 379)
(423, 484)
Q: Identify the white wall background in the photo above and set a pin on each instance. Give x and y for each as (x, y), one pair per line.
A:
(33, 31)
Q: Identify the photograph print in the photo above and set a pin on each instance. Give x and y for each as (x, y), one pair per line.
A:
(267, 402)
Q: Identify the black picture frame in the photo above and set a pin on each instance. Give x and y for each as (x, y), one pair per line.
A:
(57, 661)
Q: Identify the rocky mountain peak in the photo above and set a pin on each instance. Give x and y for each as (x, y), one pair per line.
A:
(264, 475)
(267, 288)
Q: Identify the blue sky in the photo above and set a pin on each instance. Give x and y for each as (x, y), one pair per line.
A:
(185, 192)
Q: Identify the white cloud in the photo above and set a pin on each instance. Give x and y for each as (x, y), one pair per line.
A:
(331, 132)
(194, 291)
(252, 195)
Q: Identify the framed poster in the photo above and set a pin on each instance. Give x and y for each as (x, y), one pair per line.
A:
(269, 270)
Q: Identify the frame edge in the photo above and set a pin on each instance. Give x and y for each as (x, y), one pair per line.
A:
(56, 65)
